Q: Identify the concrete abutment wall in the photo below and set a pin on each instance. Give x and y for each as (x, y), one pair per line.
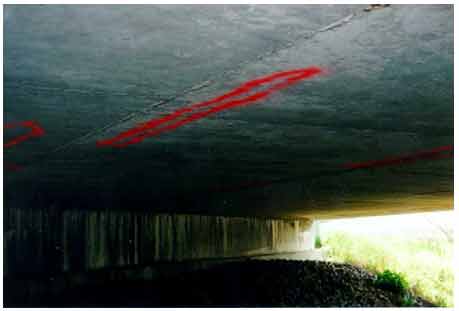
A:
(52, 241)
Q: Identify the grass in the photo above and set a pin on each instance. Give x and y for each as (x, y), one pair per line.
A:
(317, 242)
(392, 281)
(396, 283)
(425, 264)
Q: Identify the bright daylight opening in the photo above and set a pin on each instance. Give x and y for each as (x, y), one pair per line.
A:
(416, 249)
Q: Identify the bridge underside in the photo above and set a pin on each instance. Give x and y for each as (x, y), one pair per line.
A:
(86, 74)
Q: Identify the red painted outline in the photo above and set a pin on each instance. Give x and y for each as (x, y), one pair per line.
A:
(438, 153)
(12, 167)
(226, 101)
(432, 154)
(35, 131)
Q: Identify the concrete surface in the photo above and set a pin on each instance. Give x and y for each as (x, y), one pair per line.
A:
(47, 251)
(87, 73)
(50, 241)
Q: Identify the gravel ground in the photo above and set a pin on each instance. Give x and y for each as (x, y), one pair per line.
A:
(252, 283)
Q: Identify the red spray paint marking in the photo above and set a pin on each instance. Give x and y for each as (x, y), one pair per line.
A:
(12, 167)
(35, 131)
(226, 101)
(431, 154)
(436, 153)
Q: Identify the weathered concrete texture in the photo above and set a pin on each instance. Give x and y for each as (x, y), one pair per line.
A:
(88, 73)
(50, 241)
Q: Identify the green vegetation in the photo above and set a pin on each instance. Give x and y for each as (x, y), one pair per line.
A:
(317, 242)
(408, 300)
(423, 265)
(395, 282)
(392, 281)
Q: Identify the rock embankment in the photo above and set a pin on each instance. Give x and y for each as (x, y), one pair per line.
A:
(251, 283)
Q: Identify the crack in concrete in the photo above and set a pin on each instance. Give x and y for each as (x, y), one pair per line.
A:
(128, 117)
(207, 82)
(337, 24)
(150, 108)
